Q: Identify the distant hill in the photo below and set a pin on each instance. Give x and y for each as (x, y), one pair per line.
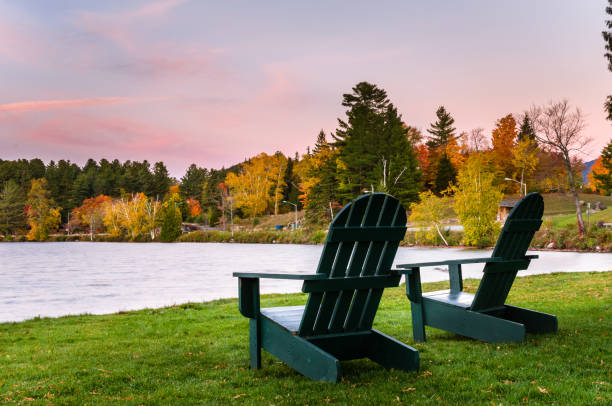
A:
(586, 171)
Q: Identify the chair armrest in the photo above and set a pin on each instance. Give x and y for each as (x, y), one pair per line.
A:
(248, 289)
(258, 275)
(405, 267)
(462, 261)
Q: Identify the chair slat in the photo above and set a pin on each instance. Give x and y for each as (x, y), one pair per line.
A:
(351, 283)
(357, 211)
(358, 258)
(379, 261)
(367, 234)
(522, 225)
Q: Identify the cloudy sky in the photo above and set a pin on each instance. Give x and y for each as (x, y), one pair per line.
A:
(215, 82)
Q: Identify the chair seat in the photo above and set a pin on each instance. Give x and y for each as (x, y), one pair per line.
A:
(288, 317)
(458, 299)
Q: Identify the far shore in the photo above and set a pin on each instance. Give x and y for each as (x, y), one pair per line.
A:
(105, 238)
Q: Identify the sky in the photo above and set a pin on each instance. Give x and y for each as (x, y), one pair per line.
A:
(213, 83)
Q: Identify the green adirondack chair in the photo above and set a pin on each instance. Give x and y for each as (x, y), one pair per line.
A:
(484, 315)
(336, 322)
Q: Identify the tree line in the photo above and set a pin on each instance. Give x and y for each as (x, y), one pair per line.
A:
(372, 149)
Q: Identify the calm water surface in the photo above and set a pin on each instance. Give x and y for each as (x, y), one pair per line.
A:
(55, 279)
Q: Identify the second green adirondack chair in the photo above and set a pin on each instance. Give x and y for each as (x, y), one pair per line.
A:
(484, 315)
(336, 323)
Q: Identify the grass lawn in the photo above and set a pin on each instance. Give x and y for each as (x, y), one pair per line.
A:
(563, 203)
(198, 354)
(564, 220)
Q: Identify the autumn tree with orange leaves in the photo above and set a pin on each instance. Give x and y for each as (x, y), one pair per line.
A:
(601, 173)
(91, 212)
(503, 140)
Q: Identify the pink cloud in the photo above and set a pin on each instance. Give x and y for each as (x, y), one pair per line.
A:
(42, 105)
(117, 26)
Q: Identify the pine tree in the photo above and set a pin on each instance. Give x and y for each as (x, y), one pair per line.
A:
(171, 219)
(373, 147)
(322, 173)
(193, 182)
(160, 183)
(12, 206)
(445, 174)
(526, 131)
(442, 131)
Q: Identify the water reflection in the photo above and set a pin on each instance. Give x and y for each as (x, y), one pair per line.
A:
(54, 279)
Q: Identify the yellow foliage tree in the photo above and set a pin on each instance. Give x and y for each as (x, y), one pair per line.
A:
(133, 217)
(476, 202)
(250, 188)
(504, 136)
(278, 165)
(41, 215)
(428, 214)
(525, 158)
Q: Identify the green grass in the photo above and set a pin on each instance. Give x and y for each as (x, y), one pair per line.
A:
(198, 354)
(564, 220)
(562, 203)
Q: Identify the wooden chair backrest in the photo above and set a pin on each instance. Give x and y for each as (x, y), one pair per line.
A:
(360, 247)
(516, 235)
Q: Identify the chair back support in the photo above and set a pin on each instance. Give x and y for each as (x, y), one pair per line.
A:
(357, 256)
(516, 235)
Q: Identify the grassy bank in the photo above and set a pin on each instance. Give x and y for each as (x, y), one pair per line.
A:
(198, 354)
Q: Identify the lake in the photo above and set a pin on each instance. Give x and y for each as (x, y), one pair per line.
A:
(55, 279)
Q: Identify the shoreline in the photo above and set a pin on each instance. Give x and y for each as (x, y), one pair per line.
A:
(85, 239)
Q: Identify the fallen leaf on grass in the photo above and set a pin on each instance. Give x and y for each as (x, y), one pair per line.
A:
(542, 390)
(424, 374)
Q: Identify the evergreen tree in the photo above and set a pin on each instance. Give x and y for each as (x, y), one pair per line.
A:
(82, 188)
(37, 168)
(60, 179)
(441, 131)
(171, 220)
(106, 180)
(160, 182)
(322, 195)
(291, 192)
(446, 174)
(12, 206)
(526, 131)
(193, 182)
(603, 178)
(373, 147)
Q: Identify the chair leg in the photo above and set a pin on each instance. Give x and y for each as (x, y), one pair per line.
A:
(535, 322)
(298, 353)
(418, 326)
(391, 353)
(255, 343)
(414, 293)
